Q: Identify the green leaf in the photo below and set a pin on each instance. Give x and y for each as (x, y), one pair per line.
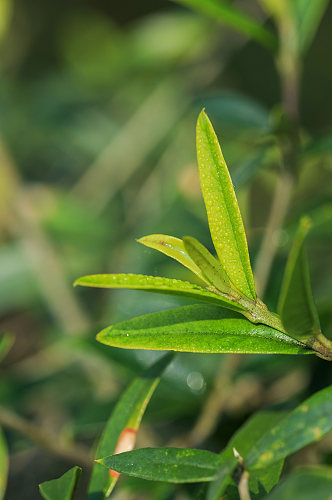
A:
(199, 329)
(6, 342)
(243, 440)
(155, 284)
(228, 14)
(173, 247)
(307, 483)
(306, 424)
(296, 304)
(219, 485)
(223, 212)
(210, 266)
(307, 15)
(120, 430)
(173, 465)
(4, 465)
(62, 488)
(246, 437)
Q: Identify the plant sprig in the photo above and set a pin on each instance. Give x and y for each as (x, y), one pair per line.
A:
(227, 280)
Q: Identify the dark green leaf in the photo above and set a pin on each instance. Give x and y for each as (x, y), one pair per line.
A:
(296, 304)
(236, 112)
(217, 487)
(174, 465)
(228, 14)
(313, 483)
(246, 437)
(120, 430)
(210, 266)
(6, 342)
(4, 464)
(306, 424)
(307, 15)
(243, 440)
(199, 329)
(62, 488)
(173, 247)
(223, 212)
(155, 284)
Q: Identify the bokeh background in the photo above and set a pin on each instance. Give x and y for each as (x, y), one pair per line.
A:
(98, 103)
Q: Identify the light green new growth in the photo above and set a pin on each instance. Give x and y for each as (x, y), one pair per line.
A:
(228, 281)
(210, 266)
(173, 247)
(223, 212)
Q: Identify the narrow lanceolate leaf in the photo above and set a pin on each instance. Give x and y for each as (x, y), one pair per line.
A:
(4, 463)
(223, 212)
(243, 440)
(210, 266)
(120, 431)
(306, 424)
(174, 465)
(228, 14)
(246, 437)
(6, 342)
(199, 329)
(223, 478)
(307, 483)
(156, 284)
(173, 247)
(62, 488)
(296, 304)
(307, 16)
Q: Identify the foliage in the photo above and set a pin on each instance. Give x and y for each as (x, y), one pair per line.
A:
(98, 106)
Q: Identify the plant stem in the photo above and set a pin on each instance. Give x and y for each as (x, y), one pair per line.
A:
(270, 243)
(207, 420)
(243, 486)
(289, 68)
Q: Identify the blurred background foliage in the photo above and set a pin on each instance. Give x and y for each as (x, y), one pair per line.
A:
(98, 103)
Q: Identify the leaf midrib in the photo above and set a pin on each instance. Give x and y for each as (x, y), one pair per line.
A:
(214, 155)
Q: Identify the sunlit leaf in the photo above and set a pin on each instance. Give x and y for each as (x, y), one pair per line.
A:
(120, 431)
(173, 247)
(155, 284)
(62, 488)
(306, 424)
(296, 304)
(174, 465)
(307, 483)
(199, 329)
(228, 14)
(4, 464)
(210, 266)
(223, 212)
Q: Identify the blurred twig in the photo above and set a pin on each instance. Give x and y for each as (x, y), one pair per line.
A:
(288, 65)
(207, 420)
(127, 150)
(270, 242)
(77, 454)
(49, 271)
(21, 221)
